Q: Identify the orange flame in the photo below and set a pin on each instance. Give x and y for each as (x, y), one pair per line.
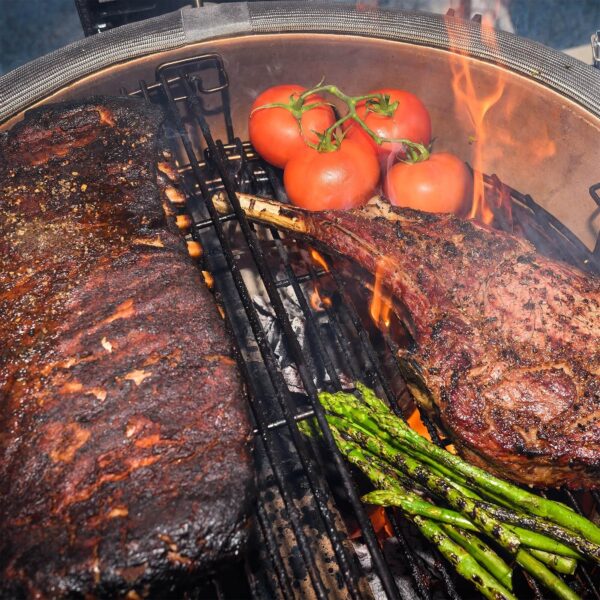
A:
(477, 103)
(381, 303)
(319, 260)
(317, 301)
(414, 422)
(381, 524)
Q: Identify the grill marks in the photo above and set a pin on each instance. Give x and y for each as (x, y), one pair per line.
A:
(122, 418)
(507, 341)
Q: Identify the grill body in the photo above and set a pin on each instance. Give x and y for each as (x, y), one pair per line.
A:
(206, 67)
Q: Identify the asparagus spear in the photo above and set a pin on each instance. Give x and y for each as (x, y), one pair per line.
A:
(545, 576)
(560, 564)
(403, 436)
(530, 539)
(505, 537)
(463, 562)
(413, 505)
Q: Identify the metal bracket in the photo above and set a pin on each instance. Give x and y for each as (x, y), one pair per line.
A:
(596, 48)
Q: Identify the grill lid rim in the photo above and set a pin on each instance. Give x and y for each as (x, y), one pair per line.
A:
(37, 79)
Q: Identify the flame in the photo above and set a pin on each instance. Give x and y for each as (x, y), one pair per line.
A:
(414, 422)
(383, 528)
(317, 301)
(476, 102)
(381, 524)
(381, 303)
(319, 260)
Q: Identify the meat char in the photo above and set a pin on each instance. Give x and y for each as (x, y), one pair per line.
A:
(125, 466)
(505, 350)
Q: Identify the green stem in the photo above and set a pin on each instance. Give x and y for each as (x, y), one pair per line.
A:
(417, 152)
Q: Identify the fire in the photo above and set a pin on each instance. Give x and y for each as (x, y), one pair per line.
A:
(476, 97)
(470, 97)
(317, 301)
(381, 524)
(319, 260)
(381, 303)
(383, 528)
(414, 421)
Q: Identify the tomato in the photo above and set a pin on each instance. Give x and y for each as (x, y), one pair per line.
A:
(343, 178)
(442, 183)
(410, 121)
(275, 133)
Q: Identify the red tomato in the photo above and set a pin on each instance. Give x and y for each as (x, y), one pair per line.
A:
(344, 178)
(442, 183)
(410, 121)
(274, 132)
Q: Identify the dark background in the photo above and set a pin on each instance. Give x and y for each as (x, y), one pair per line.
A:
(31, 28)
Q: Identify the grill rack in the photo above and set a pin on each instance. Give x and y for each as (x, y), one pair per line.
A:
(290, 466)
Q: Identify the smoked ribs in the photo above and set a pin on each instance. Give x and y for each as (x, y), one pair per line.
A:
(125, 466)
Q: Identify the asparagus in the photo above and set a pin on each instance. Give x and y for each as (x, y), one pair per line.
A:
(560, 564)
(466, 566)
(482, 553)
(434, 483)
(544, 575)
(530, 539)
(378, 422)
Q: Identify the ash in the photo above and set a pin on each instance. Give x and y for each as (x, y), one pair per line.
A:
(308, 337)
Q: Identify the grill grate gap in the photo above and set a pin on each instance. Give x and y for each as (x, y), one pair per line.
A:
(276, 411)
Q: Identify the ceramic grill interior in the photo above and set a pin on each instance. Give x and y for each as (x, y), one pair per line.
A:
(299, 317)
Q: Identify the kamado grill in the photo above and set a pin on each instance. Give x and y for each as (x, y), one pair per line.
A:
(298, 322)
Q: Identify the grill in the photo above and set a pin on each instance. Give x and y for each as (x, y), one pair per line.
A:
(308, 499)
(308, 506)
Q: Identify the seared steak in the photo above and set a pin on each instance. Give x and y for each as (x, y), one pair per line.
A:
(506, 351)
(124, 458)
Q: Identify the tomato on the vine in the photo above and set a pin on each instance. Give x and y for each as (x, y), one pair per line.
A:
(338, 179)
(409, 120)
(442, 183)
(275, 132)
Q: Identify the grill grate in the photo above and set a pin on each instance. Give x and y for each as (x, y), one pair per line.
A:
(301, 540)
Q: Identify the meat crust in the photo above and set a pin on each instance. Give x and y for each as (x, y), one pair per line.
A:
(506, 351)
(124, 439)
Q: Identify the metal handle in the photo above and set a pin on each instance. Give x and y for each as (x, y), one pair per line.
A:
(596, 48)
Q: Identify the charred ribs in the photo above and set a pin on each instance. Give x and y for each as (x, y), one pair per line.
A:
(124, 458)
(506, 343)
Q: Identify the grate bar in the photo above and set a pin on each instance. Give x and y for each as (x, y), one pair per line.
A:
(318, 491)
(258, 331)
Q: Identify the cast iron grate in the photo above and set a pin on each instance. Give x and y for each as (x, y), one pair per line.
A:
(301, 545)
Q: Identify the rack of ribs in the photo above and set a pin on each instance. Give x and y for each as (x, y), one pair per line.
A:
(125, 465)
